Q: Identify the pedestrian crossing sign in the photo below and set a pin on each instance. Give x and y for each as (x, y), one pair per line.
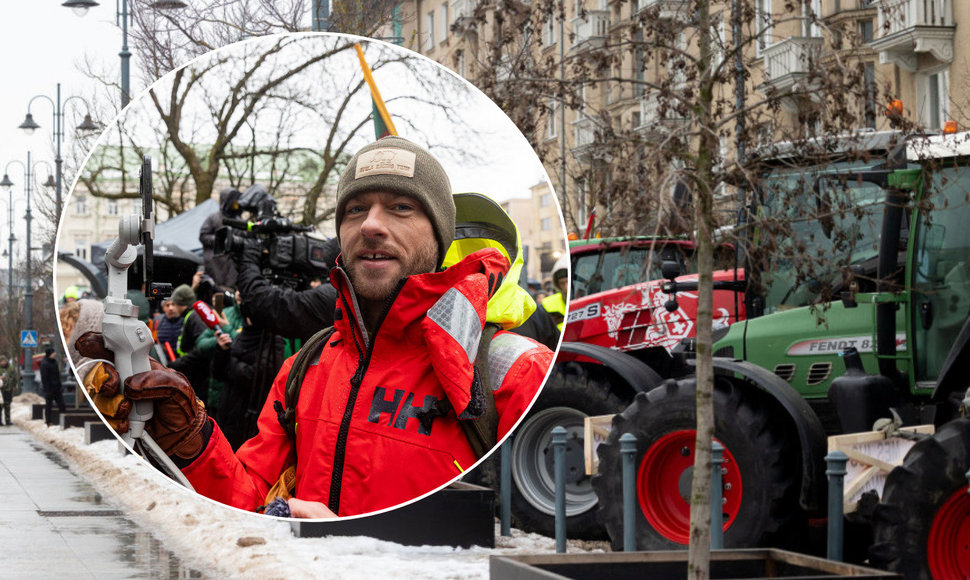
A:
(28, 338)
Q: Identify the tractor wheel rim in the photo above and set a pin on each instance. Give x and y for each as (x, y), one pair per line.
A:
(659, 478)
(948, 545)
(530, 473)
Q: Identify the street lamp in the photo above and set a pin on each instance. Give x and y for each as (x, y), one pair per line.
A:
(29, 176)
(30, 125)
(80, 8)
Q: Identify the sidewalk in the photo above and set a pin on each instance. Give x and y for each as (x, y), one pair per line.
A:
(55, 525)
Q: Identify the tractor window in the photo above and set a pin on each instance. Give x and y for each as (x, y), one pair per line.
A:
(620, 265)
(942, 268)
(812, 228)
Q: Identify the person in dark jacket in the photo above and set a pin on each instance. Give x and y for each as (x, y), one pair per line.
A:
(10, 387)
(221, 268)
(280, 310)
(191, 362)
(247, 370)
(169, 326)
(50, 380)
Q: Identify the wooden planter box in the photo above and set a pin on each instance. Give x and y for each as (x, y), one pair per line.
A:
(725, 564)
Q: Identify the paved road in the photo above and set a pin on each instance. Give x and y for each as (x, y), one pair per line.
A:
(55, 525)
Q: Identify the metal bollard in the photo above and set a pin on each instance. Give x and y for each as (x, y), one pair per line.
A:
(717, 504)
(628, 450)
(559, 469)
(505, 485)
(836, 461)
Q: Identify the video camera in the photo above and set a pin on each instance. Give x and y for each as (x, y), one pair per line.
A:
(290, 255)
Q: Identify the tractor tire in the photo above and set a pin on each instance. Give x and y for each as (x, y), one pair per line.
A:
(570, 395)
(759, 477)
(921, 526)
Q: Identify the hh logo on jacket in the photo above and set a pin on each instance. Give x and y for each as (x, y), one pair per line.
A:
(385, 403)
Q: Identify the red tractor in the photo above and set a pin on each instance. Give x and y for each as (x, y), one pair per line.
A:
(620, 331)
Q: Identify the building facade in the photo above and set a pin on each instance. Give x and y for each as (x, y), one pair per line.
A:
(600, 86)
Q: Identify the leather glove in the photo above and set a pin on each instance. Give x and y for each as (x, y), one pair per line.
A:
(179, 417)
(102, 388)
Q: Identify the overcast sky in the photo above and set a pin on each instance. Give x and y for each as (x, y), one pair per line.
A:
(44, 44)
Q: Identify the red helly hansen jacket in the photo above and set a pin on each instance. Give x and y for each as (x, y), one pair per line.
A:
(364, 439)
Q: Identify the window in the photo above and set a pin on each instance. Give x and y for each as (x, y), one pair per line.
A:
(639, 62)
(866, 30)
(429, 24)
(675, 68)
(869, 76)
(81, 248)
(763, 22)
(545, 200)
(461, 63)
(933, 95)
(550, 31)
(810, 13)
(112, 207)
(552, 122)
(444, 21)
(80, 205)
(546, 224)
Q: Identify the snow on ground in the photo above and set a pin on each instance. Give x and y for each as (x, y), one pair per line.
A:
(223, 542)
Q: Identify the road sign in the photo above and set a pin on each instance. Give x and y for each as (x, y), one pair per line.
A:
(28, 338)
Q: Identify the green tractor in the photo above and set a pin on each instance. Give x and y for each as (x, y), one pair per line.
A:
(893, 308)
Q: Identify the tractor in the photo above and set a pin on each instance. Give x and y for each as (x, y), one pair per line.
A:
(619, 330)
(883, 333)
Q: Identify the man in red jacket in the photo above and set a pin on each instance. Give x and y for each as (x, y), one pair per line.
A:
(378, 416)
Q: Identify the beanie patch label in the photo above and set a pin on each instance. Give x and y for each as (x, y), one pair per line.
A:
(385, 161)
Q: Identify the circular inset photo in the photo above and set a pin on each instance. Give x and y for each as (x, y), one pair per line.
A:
(300, 275)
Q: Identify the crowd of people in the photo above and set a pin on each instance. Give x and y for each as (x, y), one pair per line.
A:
(406, 321)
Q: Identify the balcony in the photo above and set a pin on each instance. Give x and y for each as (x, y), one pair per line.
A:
(585, 143)
(464, 12)
(657, 121)
(591, 31)
(915, 34)
(789, 63)
(666, 9)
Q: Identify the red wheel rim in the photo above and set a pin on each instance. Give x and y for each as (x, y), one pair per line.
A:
(948, 547)
(664, 469)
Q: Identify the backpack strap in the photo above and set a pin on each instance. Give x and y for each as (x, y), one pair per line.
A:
(308, 354)
(482, 430)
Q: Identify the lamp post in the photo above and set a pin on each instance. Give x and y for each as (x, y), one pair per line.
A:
(28, 372)
(80, 7)
(59, 107)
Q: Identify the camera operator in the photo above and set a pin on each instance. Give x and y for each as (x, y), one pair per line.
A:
(290, 313)
(221, 268)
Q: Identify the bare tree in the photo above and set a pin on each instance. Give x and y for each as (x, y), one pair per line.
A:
(281, 112)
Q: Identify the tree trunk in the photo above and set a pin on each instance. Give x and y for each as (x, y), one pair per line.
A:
(699, 557)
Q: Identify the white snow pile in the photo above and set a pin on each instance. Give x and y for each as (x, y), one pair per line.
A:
(223, 542)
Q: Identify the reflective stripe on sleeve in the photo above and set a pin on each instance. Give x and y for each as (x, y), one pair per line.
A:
(506, 348)
(456, 316)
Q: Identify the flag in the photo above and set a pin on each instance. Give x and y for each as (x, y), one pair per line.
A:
(383, 126)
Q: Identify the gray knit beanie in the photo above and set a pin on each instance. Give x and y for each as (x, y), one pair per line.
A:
(183, 295)
(396, 165)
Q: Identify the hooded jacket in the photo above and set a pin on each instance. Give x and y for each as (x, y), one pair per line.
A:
(367, 437)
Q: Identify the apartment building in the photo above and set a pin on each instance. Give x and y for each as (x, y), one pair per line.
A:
(539, 228)
(596, 94)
